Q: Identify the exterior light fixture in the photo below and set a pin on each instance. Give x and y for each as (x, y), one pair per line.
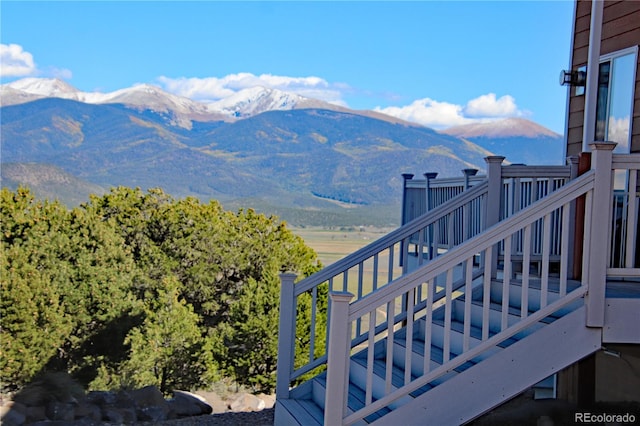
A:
(573, 78)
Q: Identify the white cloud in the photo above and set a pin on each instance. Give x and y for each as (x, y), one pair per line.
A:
(211, 89)
(15, 62)
(428, 112)
(440, 115)
(488, 106)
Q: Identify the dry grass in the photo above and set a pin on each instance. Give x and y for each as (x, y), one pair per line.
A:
(333, 245)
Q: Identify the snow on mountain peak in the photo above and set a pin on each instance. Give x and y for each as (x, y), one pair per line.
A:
(255, 100)
(47, 87)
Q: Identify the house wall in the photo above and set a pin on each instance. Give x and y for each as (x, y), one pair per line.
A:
(620, 29)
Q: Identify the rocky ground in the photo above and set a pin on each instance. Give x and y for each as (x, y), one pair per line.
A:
(255, 418)
(40, 404)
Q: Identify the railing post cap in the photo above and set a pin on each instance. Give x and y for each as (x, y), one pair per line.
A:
(470, 172)
(288, 276)
(430, 175)
(407, 176)
(602, 145)
(340, 296)
(494, 159)
(573, 159)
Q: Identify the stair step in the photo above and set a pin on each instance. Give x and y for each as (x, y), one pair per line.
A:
(356, 398)
(533, 294)
(457, 336)
(304, 411)
(417, 359)
(495, 317)
(358, 374)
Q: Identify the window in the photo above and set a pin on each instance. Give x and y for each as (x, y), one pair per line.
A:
(616, 83)
(614, 111)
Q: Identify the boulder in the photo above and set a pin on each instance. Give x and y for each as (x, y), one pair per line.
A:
(150, 404)
(186, 403)
(269, 400)
(147, 396)
(215, 401)
(246, 402)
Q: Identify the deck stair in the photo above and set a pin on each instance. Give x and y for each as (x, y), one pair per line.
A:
(307, 403)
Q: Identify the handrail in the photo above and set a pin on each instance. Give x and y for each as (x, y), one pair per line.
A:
(523, 171)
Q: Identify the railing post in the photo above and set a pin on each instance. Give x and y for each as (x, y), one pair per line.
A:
(468, 173)
(338, 359)
(494, 178)
(405, 178)
(494, 198)
(286, 335)
(466, 220)
(429, 176)
(573, 162)
(405, 211)
(598, 241)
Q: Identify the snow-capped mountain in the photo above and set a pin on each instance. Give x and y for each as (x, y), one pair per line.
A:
(508, 127)
(144, 96)
(244, 103)
(45, 87)
(179, 110)
(254, 100)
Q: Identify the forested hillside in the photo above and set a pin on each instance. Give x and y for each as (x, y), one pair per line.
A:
(137, 288)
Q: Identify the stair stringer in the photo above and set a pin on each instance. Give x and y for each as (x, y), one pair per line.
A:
(501, 376)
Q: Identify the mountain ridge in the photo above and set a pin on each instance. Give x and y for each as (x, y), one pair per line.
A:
(305, 158)
(308, 158)
(242, 104)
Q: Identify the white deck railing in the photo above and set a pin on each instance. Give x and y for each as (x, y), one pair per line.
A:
(369, 298)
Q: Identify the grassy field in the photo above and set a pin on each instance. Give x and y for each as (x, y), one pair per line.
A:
(333, 245)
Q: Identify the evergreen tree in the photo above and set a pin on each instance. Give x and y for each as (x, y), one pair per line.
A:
(168, 349)
(137, 288)
(66, 276)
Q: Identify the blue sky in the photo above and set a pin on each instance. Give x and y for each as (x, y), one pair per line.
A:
(438, 63)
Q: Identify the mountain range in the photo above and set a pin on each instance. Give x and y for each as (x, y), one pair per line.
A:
(305, 160)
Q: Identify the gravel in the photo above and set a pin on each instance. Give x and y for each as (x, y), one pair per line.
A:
(253, 418)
